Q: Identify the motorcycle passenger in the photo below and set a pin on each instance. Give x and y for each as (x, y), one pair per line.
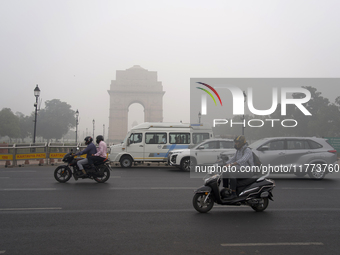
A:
(101, 153)
(89, 150)
(242, 157)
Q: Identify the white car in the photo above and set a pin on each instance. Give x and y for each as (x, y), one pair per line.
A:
(201, 154)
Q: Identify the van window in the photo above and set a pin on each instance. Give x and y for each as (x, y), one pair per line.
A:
(136, 138)
(155, 138)
(179, 138)
(199, 137)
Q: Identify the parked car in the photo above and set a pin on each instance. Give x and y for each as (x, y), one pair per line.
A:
(201, 154)
(302, 155)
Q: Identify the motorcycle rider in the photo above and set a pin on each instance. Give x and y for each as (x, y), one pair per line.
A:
(101, 153)
(89, 150)
(242, 157)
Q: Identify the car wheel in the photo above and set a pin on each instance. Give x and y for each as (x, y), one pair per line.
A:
(187, 164)
(318, 173)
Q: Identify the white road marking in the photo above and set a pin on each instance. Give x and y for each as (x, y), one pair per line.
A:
(18, 171)
(154, 188)
(270, 244)
(29, 189)
(302, 188)
(2, 252)
(30, 209)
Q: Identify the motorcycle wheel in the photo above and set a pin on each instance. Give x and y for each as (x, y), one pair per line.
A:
(103, 178)
(62, 174)
(200, 205)
(261, 207)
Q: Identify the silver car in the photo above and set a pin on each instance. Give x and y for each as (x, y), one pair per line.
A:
(297, 155)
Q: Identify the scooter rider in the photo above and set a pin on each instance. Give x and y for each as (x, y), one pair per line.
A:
(242, 157)
(101, 153)
(89, 150)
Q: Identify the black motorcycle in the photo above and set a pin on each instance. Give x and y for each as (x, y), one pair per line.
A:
(254, 192)
(63, 173)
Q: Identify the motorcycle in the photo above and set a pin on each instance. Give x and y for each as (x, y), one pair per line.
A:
(63, 173)
(254, 192)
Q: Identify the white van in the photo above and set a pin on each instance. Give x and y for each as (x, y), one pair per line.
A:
(152, 141)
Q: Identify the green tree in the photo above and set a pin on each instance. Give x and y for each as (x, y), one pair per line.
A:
(26, 124)
(55, 120)
(9, 123)
(323, 122)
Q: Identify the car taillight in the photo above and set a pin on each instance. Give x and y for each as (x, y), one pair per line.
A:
(332, 151)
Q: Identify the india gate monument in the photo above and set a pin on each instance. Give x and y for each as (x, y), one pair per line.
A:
(134, 85)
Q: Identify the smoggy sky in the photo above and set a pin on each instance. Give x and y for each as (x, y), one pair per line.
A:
(72, 49)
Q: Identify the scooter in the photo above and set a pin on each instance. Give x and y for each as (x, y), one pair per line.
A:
(255, 192)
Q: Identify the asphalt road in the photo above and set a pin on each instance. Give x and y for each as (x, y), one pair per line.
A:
(148, 210)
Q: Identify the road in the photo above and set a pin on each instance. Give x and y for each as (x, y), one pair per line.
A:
(148, 210)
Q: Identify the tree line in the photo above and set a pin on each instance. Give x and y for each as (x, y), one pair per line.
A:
(324, 121)
(53, 122)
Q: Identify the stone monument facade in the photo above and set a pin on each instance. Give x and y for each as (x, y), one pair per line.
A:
(134, 85)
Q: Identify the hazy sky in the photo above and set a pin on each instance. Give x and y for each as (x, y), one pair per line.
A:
(72, 49)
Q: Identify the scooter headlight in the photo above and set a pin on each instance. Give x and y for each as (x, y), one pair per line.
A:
(210, 179)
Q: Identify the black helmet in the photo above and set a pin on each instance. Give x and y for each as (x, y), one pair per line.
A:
(88, 140)
(239, 142)
(99, 138)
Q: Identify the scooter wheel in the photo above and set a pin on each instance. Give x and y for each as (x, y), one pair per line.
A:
(200, 205)
(261, 207)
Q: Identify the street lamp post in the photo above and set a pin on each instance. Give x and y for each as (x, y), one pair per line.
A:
(199, 117)
(36, 94)
(93, 122)
(77, 115)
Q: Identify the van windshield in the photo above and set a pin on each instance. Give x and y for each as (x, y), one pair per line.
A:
(127, 136)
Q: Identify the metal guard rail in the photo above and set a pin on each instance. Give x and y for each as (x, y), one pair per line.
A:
(42, 152)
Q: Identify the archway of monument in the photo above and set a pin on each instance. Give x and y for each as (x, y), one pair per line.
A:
(136, 114)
